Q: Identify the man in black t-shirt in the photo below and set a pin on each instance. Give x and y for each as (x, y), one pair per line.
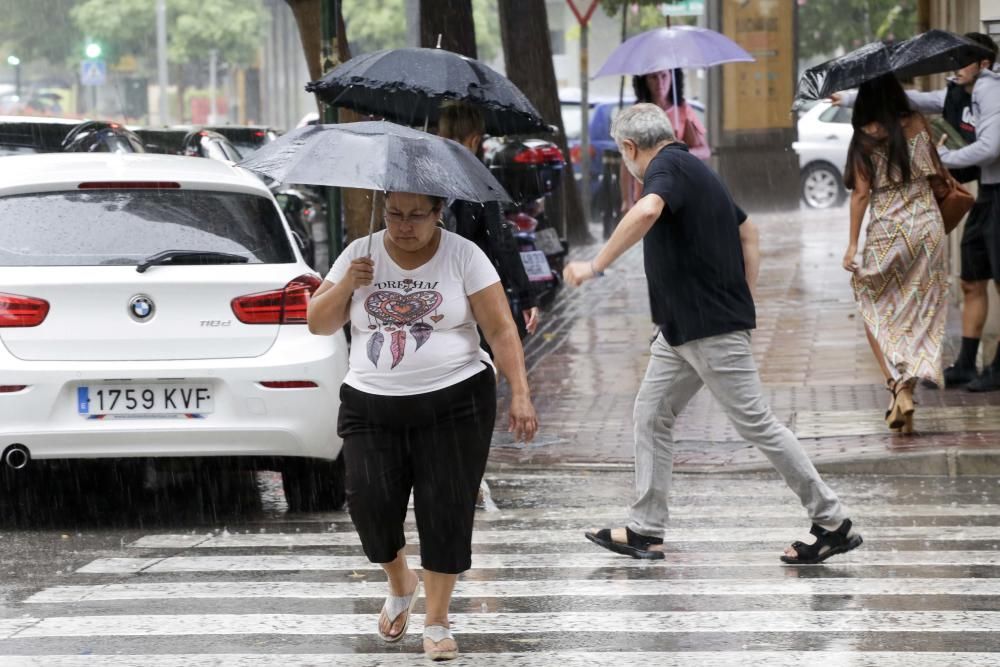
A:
(701, 262)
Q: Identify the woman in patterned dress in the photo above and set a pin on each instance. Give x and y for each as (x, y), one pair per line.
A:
(901, 281)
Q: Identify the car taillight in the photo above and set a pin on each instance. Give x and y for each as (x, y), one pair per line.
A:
(530, 156)
(22, 311)
(553, 154)
(289, 384)
(525, 223)
(12, 388)
(574, 153)
(282, 306)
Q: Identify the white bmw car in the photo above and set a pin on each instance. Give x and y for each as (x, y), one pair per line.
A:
(155, 306)
(825, 133)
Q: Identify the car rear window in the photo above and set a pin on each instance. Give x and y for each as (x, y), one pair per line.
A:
(121, 227)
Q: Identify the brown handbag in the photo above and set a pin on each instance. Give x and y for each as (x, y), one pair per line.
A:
(953, 199)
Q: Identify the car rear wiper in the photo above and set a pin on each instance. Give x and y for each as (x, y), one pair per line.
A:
(206, 257)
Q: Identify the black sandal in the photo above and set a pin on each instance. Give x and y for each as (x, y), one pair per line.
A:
(637, 547)
(828, 543)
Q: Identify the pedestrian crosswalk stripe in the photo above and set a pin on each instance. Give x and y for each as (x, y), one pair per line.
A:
(164, 625)
(749, 658)
(789, 510)
(512, 589)
(598, 559)
(349, 537)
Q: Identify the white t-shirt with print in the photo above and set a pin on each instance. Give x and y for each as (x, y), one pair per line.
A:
(413, 332)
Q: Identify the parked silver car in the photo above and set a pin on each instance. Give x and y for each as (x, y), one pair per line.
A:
(824, 135)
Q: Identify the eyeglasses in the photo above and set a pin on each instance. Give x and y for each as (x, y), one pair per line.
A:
(397, 217)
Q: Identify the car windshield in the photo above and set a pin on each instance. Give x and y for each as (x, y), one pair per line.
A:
(122, 227)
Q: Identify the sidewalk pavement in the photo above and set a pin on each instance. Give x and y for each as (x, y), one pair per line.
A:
(588, 358)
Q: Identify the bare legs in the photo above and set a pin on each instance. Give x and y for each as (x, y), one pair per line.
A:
(402, 581)
(438, 588)
(975, 304)
(437, 594)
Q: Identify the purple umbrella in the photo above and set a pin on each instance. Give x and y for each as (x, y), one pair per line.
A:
(673, 48)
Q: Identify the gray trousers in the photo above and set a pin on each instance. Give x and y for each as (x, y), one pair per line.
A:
(726, 366)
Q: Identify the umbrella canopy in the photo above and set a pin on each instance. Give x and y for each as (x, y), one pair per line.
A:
(408, 85)
(672, 48)
(376, 155)
(932, 52)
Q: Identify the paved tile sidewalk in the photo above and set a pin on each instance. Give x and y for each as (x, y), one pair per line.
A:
(586, 362)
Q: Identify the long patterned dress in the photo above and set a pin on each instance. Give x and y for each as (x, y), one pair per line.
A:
(901, 287)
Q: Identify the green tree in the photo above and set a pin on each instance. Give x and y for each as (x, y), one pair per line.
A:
(382, 25)
(40, 30)
(234, 27)
(825, 26)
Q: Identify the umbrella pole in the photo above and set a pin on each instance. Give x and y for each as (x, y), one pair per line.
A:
(371, 225)
(673, 90)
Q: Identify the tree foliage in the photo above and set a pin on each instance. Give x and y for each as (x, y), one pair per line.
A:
(826, 26)
(128, 27)
(40, 30)
(382, 25)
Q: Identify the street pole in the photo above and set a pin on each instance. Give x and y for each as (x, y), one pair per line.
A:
(585, 123)
(213, 62)
(329, 56)
(583, 18)
(161, 59)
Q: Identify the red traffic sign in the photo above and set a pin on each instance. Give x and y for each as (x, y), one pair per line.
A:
(584, 18)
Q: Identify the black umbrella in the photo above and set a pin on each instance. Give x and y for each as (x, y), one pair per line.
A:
(379, 156)
(408, 85)
(932, 52)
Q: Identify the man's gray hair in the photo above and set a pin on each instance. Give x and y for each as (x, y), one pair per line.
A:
(645, 125)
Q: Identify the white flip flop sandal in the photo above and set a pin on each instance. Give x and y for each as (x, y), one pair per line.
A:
(396, 605)
(437, 634)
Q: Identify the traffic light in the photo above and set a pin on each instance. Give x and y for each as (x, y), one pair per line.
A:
(93, 50)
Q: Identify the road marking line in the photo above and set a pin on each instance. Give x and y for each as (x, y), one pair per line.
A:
(757, 512)
(674, 535)
(515, 589)
(823, 622)
(11, 626)
(559, 561)
(748, 658)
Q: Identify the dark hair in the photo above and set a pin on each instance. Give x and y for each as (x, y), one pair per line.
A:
(882, 101)
(985, 41)
(641, 88)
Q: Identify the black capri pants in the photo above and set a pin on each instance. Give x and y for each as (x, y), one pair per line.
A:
(435, 444)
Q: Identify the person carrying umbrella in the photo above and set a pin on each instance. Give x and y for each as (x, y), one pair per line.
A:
(701, 260)
(418, 403)
(656, 59)
(483, 224)
(665, 89)
(955, 103)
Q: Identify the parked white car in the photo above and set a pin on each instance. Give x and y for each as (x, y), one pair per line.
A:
(824, 135)
(155, 306)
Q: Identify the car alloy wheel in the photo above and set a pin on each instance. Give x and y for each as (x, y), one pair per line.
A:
(822, 187)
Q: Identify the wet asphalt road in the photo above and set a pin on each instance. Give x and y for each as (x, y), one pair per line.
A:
(97, 570)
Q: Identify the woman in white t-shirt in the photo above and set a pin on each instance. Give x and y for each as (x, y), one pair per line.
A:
(418, 404)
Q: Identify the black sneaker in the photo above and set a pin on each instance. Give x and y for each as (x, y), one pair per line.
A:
(957, 376)
(988, 380)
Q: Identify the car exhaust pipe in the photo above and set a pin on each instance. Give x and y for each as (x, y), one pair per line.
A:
(16, 457)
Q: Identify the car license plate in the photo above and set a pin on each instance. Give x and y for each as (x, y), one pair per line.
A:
(145, 399)
(536, 265)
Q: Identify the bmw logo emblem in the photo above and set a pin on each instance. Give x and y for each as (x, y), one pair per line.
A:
(141, 308)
